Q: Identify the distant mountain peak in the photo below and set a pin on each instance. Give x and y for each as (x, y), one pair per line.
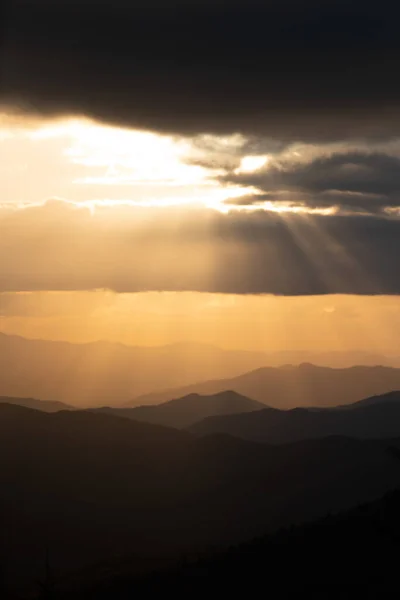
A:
(186, 410)
(308, 365)
(307, 385)
(373, 418)
(47, 406)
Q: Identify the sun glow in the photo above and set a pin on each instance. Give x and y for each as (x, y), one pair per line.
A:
(113, 165)
(125, 156)
(249, 164)
(100, 165)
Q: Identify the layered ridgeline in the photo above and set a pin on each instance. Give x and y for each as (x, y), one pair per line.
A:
(353, 554)
(43, 405)
(290, 386)
(230, 413)
(376, 417)
(183, 412)
(111, 374)
(233, 414)
(93, 487)
(105, 373)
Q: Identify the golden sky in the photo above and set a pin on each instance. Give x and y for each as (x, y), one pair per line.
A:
(316, 323)
(83, 161)
(107, 175)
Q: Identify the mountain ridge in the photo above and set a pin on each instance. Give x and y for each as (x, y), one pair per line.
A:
(105, 373)
(185, 411)
(43, 405)
(292, 386)
(379, 419)
(108, 373)
(115, 487)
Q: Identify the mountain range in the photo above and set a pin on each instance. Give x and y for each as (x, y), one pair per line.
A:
(43, 405)
(230, 413)
(113, 374)
(291, 386)
(352, 554)
(183, 412)
(377, 417)
(91, 488)
(105, 373)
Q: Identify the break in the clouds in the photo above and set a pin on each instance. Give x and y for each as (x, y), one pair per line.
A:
(286, 69)
(62, 246)
(362, 181)
(291, 105)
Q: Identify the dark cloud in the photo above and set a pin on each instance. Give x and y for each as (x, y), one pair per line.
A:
(363, 181)
(58, 246)
(288, 69)
(226, 153)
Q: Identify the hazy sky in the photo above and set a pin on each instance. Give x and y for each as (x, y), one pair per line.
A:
(231, 321)
(222, 172)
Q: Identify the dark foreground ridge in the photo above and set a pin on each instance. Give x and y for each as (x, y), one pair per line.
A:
(373, 418)
(95, 488)
(353, 554)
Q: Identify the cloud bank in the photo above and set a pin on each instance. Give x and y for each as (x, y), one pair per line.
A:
(359, 181)
(287, 69)
(278, 73)
(60, 246)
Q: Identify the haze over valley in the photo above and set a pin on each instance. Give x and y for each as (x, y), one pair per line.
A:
(106, 373)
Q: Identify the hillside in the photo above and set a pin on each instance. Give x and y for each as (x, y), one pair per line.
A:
(183, 412)
(352, 554)
(44, 405)
(105, 373)
(112, 374)
(380, 419)
(291, 386)
(83, 428)
(389, 397)
(111, 487)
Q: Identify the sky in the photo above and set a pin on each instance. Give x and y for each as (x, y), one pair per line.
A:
(225, 172)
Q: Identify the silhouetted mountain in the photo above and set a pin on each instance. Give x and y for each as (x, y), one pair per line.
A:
(383, 398)
(365, 421)
(111, 374)
(94, 487)
(185, 411)
(43, 405)
(82, 427)
(290, 387)
(333, 359)
(353, 554)
(105, 373)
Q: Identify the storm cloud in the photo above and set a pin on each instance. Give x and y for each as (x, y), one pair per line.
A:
(60, 246)
(279, 73)
(360, 181)
(286, 69)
